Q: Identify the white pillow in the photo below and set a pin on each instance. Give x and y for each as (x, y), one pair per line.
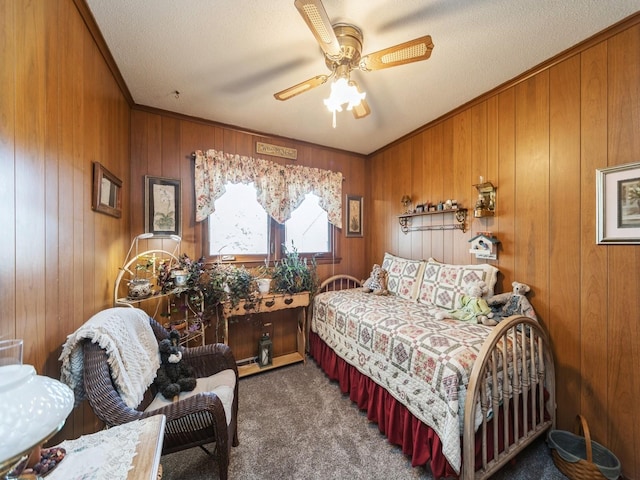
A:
(442, 284)
(404, 275)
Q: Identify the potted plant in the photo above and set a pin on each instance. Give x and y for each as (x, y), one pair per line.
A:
(185, 274)
(264, 277)
(241, 286)
(294, 274)
(139, 286)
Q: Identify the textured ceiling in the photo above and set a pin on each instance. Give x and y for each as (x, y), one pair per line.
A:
(228, 57)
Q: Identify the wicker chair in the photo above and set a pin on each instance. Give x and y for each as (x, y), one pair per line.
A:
(193, 421)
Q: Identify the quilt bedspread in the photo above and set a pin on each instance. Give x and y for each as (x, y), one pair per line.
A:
(423, 362)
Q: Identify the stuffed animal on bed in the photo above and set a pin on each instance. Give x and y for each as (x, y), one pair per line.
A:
(472, 307)
(515, 302)
(377, 281)
(173, 376)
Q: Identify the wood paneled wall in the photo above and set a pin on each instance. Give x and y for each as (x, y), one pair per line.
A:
(162, 144)
(60, 110)
(540, 140)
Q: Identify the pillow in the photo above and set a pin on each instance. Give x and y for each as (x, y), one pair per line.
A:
(404, 275)
(443, 284)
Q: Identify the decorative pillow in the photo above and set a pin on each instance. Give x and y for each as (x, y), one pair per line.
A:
(404, 275)
(443, 284)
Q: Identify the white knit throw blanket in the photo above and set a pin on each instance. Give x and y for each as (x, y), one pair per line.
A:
(132, 351)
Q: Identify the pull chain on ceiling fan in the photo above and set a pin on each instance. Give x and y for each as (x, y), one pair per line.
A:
(342, 47)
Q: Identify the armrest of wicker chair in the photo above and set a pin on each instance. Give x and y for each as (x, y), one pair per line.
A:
(210, 359)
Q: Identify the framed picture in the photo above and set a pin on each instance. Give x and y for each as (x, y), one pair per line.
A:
(618, 204)
(107, 192)
(162, 215)
(354, 216)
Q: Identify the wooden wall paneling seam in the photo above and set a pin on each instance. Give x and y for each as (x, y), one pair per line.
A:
(593, 281)
(52, 325)
(490, 224)
(458, 184)
(418, 190)
(506, 207)
(403, 184)
(478, 167)
(8, 79)
(30, 184)
(563, 321)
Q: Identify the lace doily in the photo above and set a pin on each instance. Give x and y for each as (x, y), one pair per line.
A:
(107, 454)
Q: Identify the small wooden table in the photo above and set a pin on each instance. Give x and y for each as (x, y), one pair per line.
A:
(149, 449)
(271, 303)
(144, 464)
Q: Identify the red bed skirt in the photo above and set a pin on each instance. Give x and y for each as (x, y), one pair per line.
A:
(417, 440)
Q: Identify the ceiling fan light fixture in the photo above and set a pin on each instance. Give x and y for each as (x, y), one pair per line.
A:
(342, 93)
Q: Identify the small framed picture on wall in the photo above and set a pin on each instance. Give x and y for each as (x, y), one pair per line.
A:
(618, 204)
(107, 192)
(162, 214)
(353, 216)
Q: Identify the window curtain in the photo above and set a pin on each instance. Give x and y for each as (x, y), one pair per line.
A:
(280, 188)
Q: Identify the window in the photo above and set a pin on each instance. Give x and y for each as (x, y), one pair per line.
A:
(308, 228)
(239, 226)
(240, 230)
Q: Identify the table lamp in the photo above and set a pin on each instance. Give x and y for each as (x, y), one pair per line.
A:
(33, 408)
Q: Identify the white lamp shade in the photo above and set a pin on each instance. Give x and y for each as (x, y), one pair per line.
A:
(32, 409)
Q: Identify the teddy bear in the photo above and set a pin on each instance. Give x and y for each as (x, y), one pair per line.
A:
(377, 281)
(472, 307)
(173, 376)
(515, 302)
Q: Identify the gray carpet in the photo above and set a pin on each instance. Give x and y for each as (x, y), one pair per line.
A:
(294, 423)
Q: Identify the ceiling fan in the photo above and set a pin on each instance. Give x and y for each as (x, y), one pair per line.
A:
(342, 47)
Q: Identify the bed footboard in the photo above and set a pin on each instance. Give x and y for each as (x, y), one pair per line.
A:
(524, 346)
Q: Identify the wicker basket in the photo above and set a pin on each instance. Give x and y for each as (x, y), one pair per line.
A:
(580, 458)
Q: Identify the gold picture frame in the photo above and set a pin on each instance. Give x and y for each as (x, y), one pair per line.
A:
(353, 216)
(618, 205)
(107, 192)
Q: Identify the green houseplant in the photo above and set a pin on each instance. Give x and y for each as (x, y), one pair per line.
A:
(294, 274)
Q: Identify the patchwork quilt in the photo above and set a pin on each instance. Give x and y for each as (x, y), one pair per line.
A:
(423, 362)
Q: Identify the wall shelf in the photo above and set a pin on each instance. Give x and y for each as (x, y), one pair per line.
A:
(459, 216)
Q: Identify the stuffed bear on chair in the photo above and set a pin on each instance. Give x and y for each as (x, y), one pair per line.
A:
(174, 376)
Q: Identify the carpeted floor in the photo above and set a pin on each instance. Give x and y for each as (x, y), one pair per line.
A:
(295, 424)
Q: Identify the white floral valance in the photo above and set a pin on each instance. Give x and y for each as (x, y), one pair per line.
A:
(280, 188)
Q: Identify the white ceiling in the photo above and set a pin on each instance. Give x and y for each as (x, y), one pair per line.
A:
(228, 57)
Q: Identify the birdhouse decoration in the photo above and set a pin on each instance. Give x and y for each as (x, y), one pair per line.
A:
(485, 246)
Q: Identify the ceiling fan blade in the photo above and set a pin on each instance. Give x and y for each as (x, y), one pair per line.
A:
(301, 87)
(318, 21)
(412, 51)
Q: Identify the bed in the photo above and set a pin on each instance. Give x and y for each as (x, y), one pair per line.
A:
(436, 387)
